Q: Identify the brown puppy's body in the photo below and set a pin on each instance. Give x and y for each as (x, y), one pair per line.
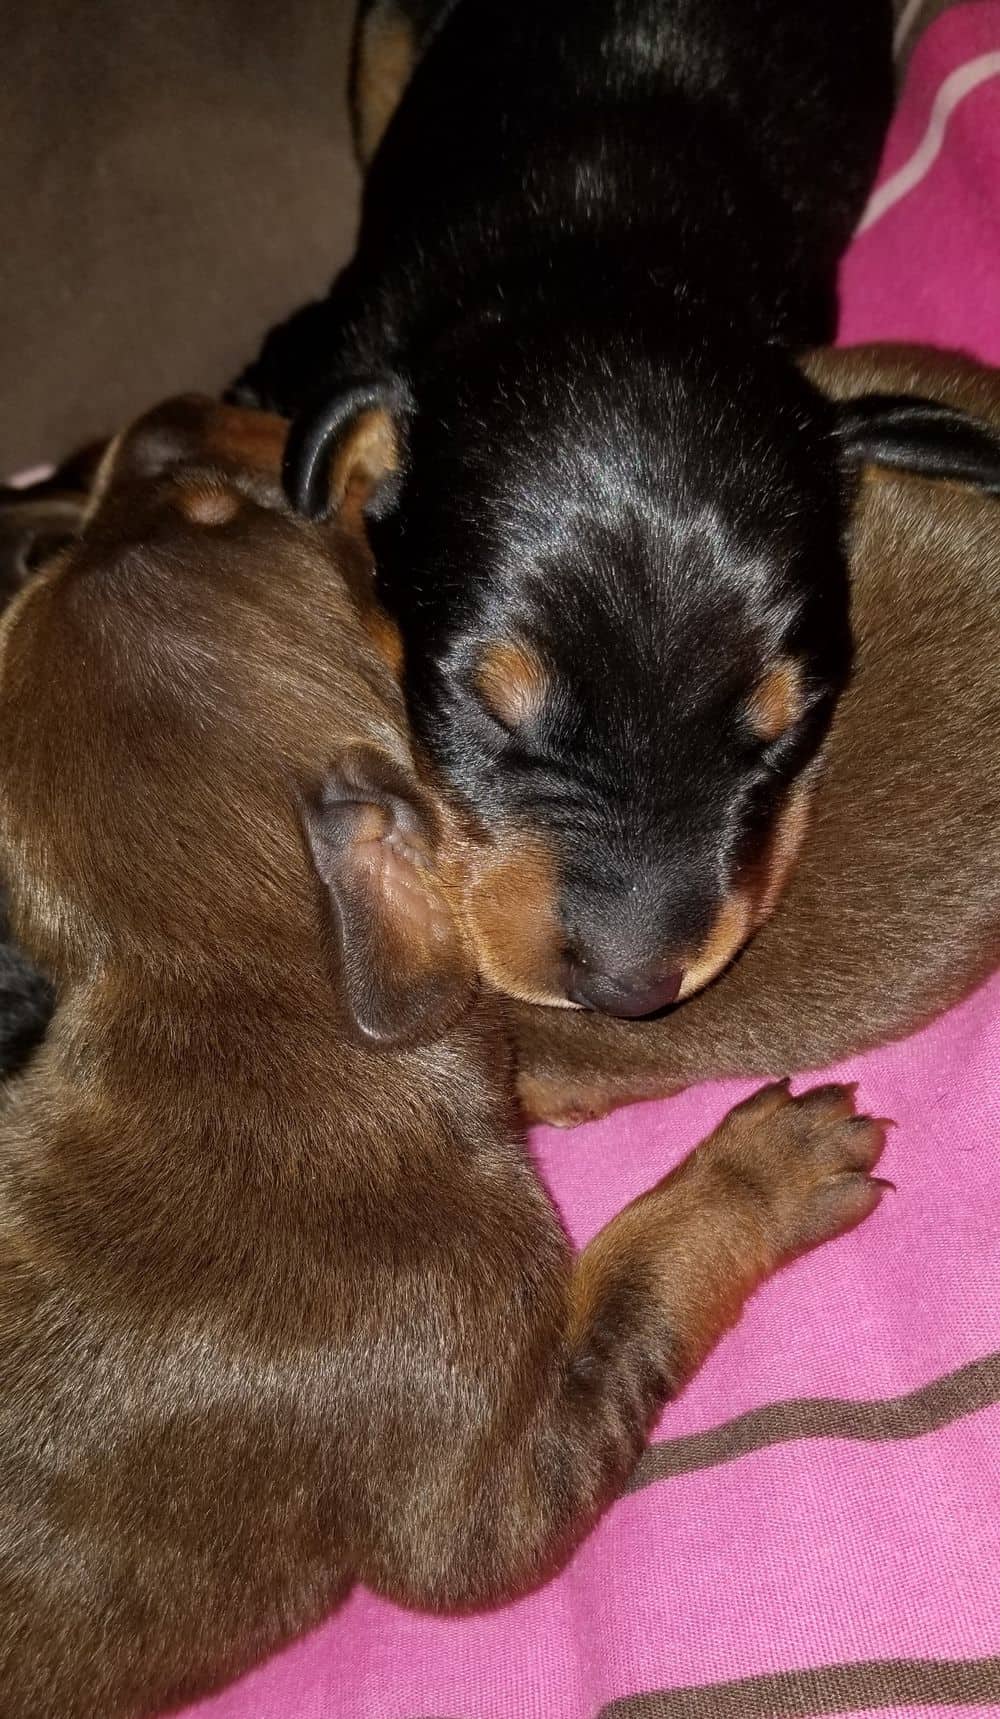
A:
(892, 911)
(282, 1303)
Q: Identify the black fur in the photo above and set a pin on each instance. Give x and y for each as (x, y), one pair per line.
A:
(26, 1002)
(593, 238)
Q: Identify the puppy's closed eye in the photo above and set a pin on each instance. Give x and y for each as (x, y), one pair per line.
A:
(512, 682)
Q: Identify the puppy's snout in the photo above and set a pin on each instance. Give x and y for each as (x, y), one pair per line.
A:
(628, 995)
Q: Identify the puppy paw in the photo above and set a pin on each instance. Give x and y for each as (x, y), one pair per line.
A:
(560, 1106)
(807, 1163)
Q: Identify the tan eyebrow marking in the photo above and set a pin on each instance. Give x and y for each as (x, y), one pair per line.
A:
(511, 680)
(777, 701)
(207, 506)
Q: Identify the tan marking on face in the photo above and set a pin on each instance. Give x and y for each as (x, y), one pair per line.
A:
(511, 681)
(387, 53)
(511, 911)
(784, 841)
(777, 701)
(208, 506)
(386, 637)
(733, 924)
(758, 894)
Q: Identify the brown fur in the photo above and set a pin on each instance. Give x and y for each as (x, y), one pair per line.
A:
(283, 1305)
(892, 910)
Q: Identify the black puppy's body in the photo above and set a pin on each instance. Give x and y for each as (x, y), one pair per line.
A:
(592, 235)
(643, 155)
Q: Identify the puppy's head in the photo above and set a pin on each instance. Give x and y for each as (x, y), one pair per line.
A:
(619, 571)
(203, 749)
(624, 606)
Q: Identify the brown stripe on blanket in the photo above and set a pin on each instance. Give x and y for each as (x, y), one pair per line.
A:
(963, 1392)
(868, 1683)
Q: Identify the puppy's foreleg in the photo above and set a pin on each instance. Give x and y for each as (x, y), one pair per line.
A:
(655, 1289)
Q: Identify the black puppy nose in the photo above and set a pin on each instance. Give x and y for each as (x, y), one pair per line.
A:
(629, 998)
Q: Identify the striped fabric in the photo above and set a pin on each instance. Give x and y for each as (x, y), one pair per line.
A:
(816, 1528)
(912, 20)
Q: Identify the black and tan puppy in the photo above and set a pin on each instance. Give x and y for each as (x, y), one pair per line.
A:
(610, 523)
(893, 910)
(283, 1305)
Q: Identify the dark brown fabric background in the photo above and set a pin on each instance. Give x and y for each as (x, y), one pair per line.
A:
(174, 176)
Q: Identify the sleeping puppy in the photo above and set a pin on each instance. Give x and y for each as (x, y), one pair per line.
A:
(893, 910)
(283, 1305)
(610, 511)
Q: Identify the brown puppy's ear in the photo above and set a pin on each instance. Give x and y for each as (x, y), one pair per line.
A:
(374, 838)
(194, 430)
(344, 454)
(34, 524)
(38, 519)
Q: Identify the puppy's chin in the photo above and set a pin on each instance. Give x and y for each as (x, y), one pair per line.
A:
(506, 963)
(520, 993)
(511, 917)
(510, 911)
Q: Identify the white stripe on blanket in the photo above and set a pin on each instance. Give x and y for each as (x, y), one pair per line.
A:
(957, 85)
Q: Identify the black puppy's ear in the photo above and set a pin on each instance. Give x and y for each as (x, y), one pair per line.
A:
(925, 437)
(374, 838)
(343, 453)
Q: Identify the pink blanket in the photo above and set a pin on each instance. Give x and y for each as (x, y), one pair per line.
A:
(816, 1527)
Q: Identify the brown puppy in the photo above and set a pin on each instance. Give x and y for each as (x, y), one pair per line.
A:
(282, 1303)
(892, 911)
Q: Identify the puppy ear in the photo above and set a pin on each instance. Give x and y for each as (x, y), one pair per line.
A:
(925, 437)
(192, 429)
(34, 524)
(344, 453)
(38, 519)
(374, 839)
